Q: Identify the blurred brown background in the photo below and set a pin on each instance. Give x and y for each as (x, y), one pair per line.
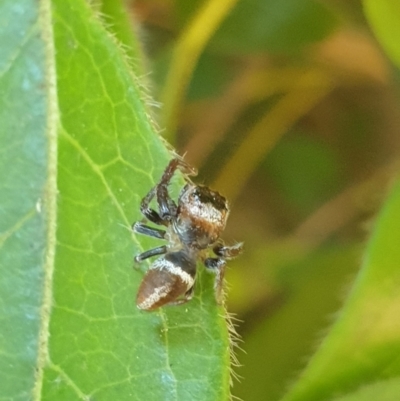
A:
(292, 112)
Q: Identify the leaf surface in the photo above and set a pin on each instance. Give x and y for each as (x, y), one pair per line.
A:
(86, 154)
(23, 184)
(383, 17)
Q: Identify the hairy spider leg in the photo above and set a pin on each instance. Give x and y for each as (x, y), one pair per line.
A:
(141, 228)
(217, 265)
(228, 252)
(151, 214)
(160, 250)
(167, 207)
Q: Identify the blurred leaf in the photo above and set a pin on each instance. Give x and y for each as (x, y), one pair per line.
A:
(306, 296)
(185, 10)
(186, 53)
(266, 25)
(306, 171)
(385, 390)
(384, 16)
(363, 344)
(70, 329)
(274, 26)
(210, 77)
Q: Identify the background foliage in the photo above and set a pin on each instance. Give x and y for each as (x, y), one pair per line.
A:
(292, 111)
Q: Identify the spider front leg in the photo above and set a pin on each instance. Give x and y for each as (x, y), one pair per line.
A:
(151, 214)
(217, 265)
(228, 252)
(166, 205)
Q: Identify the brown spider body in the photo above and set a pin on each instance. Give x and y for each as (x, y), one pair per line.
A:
(193, 226)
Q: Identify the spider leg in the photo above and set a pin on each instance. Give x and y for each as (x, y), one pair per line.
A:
(228, 252)
(141, 228)
(167, 207)
(160, 250)
(149, 213)
(217, 265)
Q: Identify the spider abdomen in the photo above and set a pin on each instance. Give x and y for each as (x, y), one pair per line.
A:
(168, 278)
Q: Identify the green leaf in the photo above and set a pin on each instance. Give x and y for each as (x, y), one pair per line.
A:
(79, 151)
(292, 166)
(308, 293)
(23, 185)
(385, 390)
(211, 76)
(266, 25)
(383, 16)
(274, 26)
(119, 21)
(362, 347)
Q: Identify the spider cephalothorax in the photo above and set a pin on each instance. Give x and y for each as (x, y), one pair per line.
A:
(193, 226)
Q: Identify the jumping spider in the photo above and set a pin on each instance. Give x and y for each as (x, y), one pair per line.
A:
(192, 226)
